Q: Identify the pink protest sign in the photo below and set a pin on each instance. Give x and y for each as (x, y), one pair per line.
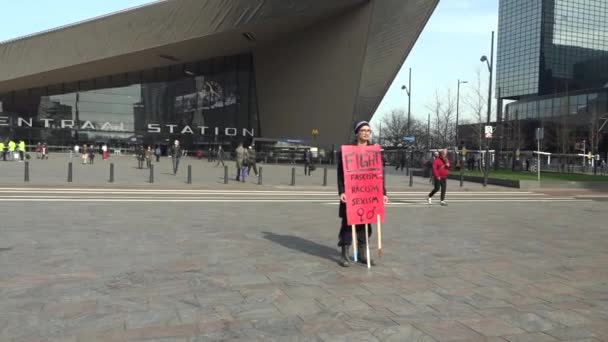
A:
(363, 184)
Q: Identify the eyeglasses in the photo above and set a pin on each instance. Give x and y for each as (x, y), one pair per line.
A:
(365, 130)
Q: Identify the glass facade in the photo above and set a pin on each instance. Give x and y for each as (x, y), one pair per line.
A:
(575, 45)
(553, 59)
(206, 102)
(519, 47)
(551, 46)
(547, 107)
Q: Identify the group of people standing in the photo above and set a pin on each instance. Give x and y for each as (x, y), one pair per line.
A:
(12, 151)
(246, 159)
(87, 153)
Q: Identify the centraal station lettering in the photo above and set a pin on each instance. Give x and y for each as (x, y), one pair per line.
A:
(120, 127)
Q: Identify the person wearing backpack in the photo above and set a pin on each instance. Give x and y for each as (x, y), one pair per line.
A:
(441, 170)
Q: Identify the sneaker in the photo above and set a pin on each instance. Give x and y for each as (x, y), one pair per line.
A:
(444, 204)
(430, 201)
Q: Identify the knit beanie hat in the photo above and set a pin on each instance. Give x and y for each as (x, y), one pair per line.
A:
(360, 124)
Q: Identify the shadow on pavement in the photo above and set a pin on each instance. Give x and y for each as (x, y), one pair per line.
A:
(302, 245)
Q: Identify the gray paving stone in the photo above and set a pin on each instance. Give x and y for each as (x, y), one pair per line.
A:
(260, 272)
(448, 331)
(533, 337)
(492, 327)
(565, 317)
(355, 336)
(401, 333)
(303, 307)
(570, 333)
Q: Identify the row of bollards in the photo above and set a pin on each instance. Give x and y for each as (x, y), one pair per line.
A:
(26, 174)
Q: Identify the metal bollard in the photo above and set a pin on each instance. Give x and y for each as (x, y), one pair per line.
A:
(293, 176)
(260, 176)
(26, 176)
(324, 176)
(411, 179)
(189, 174)
(111, 172)
(461, 179)
(70, 172)
(151, 173)
(225, 174)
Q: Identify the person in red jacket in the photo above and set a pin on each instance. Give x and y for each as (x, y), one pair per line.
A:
(441, 169)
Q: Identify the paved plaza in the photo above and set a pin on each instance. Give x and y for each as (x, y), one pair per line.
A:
(241, 265)
(205, 174)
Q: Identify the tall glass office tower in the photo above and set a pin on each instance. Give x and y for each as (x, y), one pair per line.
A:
(553, 60)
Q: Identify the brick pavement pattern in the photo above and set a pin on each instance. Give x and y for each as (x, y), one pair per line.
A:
(86, 272)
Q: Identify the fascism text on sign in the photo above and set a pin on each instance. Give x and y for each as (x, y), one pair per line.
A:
(363, 184)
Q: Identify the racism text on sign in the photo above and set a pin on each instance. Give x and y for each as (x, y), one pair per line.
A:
(363, 183)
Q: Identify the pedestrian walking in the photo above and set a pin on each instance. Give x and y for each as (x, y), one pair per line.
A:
(11, 150)
(252, 160)
(45, 152)
(104, 151)
(140, 154)
(220, 156)
(308, 167)
(2, 151)
(240, 157)
(363, 134)
(157, 153)
(176, 154)
(38, 151)
(91, 153)
(148, 156)
(441, 170)
(21, 148)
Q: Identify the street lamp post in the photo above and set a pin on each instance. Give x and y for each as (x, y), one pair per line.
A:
(408, 91)
(458, 107)
(490, 64)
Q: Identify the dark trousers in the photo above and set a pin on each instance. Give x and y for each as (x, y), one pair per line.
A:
(157, 157)
(140, 162)
(3, 155)
(345, 237)
(254, 166)
(307, 169)
(439, 183)
(175, 161)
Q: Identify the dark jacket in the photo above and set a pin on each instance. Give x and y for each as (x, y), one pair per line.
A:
(342, 208)
(176, 151)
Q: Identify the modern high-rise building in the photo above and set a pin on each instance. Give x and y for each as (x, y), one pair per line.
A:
(208, 72)
(552, 59)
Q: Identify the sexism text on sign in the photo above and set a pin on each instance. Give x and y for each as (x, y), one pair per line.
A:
(363, 183)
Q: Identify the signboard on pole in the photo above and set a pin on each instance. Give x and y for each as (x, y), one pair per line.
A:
(409, 138)
(363, 184)
(488, 131)
(540, 133)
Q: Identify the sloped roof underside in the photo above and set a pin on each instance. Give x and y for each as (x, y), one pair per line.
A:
(133, 40)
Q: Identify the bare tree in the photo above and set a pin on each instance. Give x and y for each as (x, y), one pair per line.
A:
(443, 111)
(477, 102)
(394, 127)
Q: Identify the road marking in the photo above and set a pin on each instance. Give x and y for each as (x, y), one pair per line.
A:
(89, 190)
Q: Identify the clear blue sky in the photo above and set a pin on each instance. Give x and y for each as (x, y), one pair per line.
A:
(449, 48)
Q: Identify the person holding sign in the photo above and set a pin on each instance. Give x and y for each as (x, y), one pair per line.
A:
(441, 170)
(362, 193)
